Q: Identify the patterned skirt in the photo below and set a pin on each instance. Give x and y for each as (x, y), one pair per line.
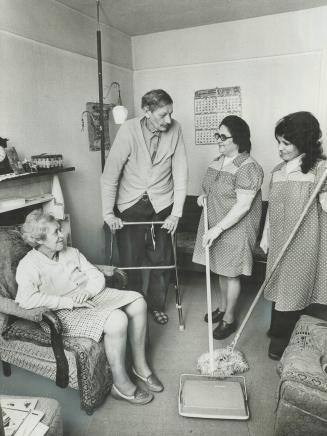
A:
(89, 323)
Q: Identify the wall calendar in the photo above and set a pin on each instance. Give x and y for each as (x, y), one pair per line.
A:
(210, 107)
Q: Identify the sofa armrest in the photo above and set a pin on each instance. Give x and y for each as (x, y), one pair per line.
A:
(62, 374)
(10, 307)
(115, 277)
(13, 311)
(107, 270)
(303, 357)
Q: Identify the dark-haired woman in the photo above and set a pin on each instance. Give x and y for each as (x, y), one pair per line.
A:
(300, 279)
(232, 186)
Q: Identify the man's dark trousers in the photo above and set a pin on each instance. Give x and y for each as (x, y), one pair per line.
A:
(139, 246)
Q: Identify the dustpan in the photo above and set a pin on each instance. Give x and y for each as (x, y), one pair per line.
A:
(206, 396)
(203, 396)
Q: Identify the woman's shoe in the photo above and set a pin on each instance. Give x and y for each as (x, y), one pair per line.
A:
(216, 316)
(152, 382)
(139, 397)
(224, 329)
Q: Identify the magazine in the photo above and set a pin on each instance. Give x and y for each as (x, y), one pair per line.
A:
(5, 418)
(21, 418)
(24, 404)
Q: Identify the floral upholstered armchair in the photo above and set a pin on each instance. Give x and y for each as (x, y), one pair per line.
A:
(79, 363)
(302, 393)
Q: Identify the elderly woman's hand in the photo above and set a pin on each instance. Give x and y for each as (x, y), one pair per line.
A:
(81, 297)
(87, 304)
(211, 235)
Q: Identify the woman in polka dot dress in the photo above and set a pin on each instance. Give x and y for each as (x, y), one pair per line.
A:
(232, 186)
(301, 277)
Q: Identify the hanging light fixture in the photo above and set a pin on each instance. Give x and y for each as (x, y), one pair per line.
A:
(119, 111)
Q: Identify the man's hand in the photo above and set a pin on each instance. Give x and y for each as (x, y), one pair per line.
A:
(115, 223)
(170, 224)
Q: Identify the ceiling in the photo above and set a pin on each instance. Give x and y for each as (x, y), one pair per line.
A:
(139, 17)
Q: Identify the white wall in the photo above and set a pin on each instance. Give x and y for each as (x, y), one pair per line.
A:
(279, 61)
(44, 87)
(54, 24)
(49, 71)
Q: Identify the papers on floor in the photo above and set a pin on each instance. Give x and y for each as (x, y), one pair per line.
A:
(20, 418)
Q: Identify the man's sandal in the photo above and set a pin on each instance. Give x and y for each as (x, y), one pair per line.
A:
(160, 317)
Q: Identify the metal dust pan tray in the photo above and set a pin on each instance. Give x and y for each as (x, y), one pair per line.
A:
(203, 396)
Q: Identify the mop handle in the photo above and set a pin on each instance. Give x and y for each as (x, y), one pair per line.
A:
(208, 283)
(287, 243)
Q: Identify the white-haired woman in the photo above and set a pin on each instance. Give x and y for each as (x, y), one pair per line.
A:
(61, 278)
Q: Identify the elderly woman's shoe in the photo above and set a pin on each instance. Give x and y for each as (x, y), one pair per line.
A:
(152, 382)
(139, 397)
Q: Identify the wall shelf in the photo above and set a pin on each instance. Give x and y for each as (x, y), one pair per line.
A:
(48, 172)
(20, 193)
(28, 202)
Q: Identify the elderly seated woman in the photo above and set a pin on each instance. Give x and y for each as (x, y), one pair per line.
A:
(60, 278)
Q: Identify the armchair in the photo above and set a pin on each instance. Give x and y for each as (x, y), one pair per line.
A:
(302, 393)
(79, 363)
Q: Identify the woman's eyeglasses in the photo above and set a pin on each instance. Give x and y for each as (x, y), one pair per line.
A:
(221, 137)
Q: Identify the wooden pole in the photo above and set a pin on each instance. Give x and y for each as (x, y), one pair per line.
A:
(208, 283)
(313, 196)
(101, 119)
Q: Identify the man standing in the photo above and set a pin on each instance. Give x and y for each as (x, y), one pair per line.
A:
(145, 176)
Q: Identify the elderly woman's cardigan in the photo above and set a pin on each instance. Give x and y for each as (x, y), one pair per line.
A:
(46, 282)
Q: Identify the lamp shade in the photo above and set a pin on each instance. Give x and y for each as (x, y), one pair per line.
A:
(120, 114)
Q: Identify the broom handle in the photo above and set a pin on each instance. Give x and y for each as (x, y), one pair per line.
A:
(208, 283)
(287, 243)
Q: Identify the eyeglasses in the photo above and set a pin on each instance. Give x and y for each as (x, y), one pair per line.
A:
(221, 137)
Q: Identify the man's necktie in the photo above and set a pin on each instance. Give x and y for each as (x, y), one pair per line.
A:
(154, 143)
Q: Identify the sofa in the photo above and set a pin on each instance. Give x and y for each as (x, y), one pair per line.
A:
(302, 394)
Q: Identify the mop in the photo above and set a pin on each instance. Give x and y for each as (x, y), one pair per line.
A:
(206, 396)
(224, 362)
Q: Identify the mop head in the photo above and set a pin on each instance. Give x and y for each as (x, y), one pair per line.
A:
(226, 363)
